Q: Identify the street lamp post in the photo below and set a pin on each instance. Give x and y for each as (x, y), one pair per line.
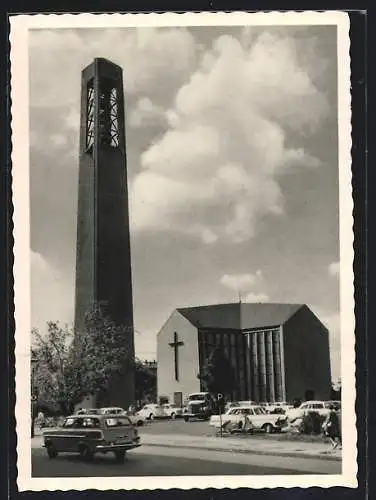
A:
(34, 361)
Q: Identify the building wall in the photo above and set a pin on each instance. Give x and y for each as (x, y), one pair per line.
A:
(188, 358)
(306, 356)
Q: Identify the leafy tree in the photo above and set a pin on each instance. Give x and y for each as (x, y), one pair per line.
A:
(217, 375)
(145, 382)
(72, 366)
(104, 353)
(53, 356)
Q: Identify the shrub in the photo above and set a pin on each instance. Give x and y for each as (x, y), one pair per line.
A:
(163, 400)
(311, 423)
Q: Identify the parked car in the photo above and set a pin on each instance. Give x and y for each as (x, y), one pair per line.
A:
(231, 404)
(172, 411)
(257, 415)
(279, 407)
(151, 411)
(88, 411)
(88, 435)
(320, 407)
(138, 420)
(112, 410)
(336, 405)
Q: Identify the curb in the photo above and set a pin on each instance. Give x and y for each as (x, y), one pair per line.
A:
(249, 452)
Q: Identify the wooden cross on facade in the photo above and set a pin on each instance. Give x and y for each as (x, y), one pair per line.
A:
(175, 345)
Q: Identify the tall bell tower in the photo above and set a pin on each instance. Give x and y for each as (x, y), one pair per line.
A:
(103, 260)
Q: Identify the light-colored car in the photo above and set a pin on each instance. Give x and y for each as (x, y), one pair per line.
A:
(276, 407)
(136, 419)
(231, 404)
(257, 415)
(88, 411)
(320, 407)
(151, 411)
(112, 410)
(172, 411)
(91, 434)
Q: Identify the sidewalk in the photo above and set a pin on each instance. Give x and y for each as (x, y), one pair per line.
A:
(244, 445)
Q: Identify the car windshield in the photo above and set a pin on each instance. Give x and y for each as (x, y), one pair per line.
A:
(69, 422)
(90, 422)
(117, 422)
(197, 397)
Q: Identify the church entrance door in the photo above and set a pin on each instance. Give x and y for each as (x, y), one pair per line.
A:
(178, 399)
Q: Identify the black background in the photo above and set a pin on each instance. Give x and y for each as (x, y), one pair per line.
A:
(361, 182)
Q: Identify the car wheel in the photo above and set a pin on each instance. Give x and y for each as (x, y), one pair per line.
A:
(51, 451)
(268, 428)
(186, 419)
(86, 454)
(151, 416)
(120, 456)
(140, 423)
(173, 415)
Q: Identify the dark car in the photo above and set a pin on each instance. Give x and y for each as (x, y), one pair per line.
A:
(91, 434)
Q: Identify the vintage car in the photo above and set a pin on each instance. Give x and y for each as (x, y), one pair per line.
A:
(320, 407)
(172, 411)
(257, 418)
(151, 411)
(138, 420)
(88, 411)
(91, 434)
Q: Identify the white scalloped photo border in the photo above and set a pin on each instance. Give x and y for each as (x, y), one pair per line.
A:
(20, 25)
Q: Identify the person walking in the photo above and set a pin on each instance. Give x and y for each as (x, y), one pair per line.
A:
(332, 428)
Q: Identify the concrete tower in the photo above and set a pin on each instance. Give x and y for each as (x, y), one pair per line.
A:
(103, 265)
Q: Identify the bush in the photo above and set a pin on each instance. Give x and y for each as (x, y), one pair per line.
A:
(163, 400)
(311, 423)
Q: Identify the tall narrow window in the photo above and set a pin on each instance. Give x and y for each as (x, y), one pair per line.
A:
(108, 114)
(114, 123)
(90, 116)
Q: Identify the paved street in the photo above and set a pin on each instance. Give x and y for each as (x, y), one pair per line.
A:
(162, 461)
(178, 426)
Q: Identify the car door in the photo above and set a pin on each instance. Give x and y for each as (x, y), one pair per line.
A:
(118, 429)
(258, 416)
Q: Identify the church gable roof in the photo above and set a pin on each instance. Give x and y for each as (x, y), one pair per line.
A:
(239, 316)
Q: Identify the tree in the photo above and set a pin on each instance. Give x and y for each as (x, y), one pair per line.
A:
(217, 375)
(53, 365)
(104, 352)
(73, 366)
(145, 382)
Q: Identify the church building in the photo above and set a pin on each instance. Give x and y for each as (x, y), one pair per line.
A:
(279, 352)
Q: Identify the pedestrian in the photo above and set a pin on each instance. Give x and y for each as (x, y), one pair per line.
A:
(41, 420)
(332, 427)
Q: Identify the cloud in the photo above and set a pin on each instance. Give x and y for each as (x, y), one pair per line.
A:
(51, 298)
(334, 269)
(218, 165)
(146, 113)
(149, 56)
(244, 283)
(256, 297)
(146, 54)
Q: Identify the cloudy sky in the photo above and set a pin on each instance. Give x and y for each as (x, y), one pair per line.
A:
(232, 168)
